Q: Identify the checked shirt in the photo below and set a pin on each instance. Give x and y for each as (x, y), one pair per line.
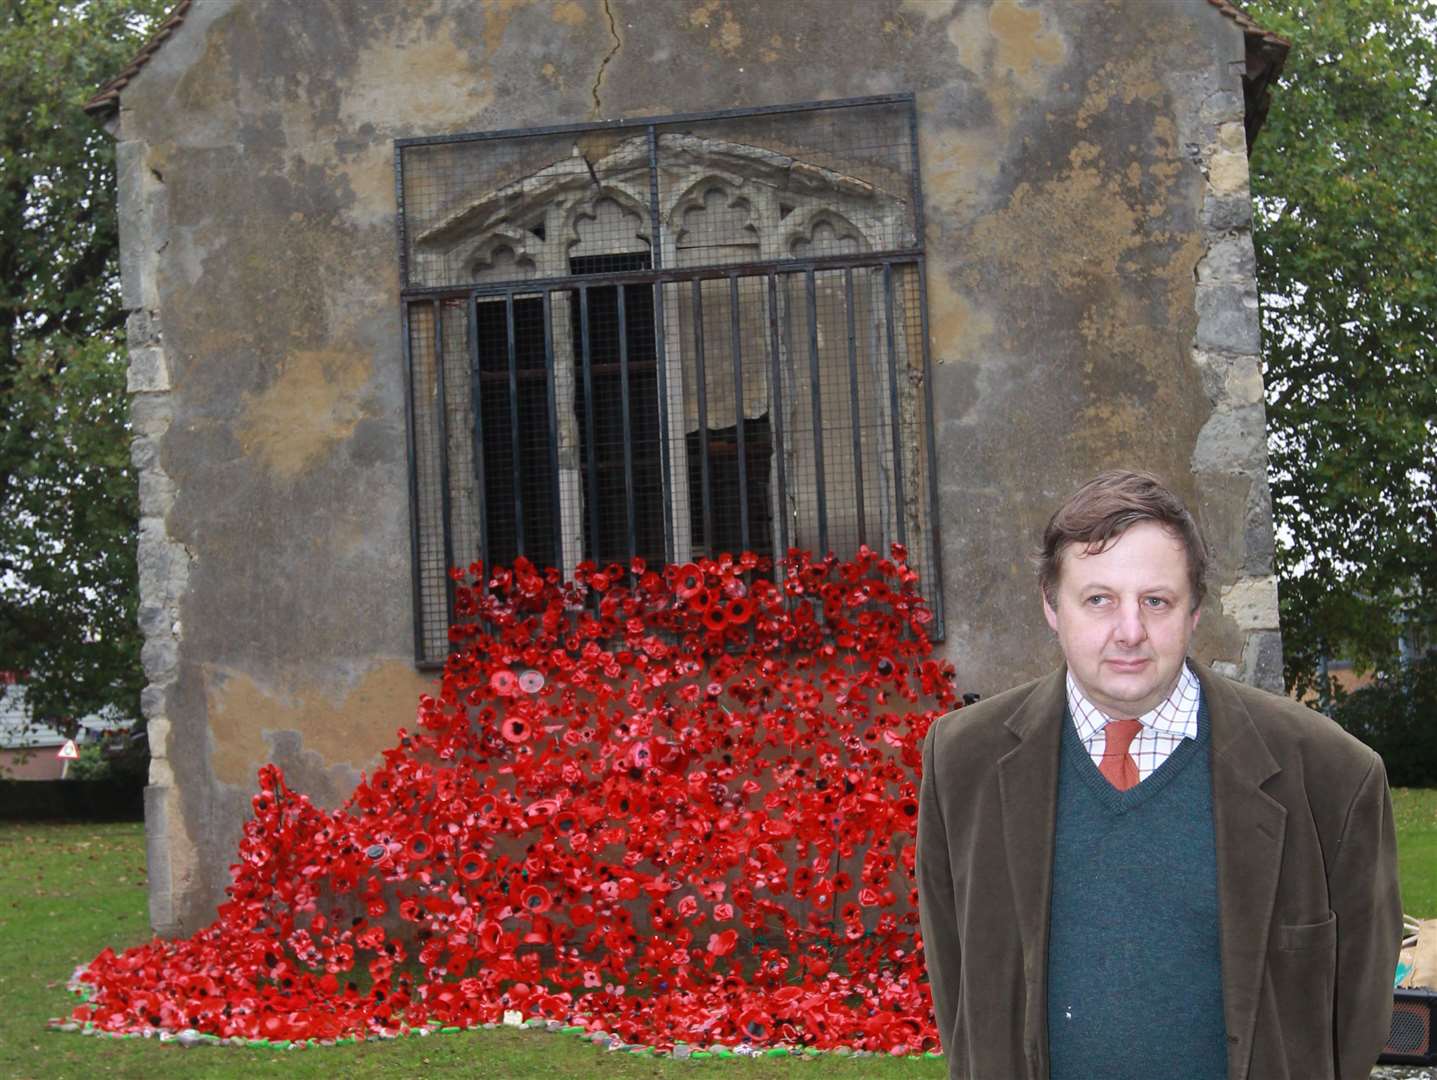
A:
(1164, 728)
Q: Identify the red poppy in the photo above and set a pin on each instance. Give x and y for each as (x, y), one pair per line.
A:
(472, 865)
(688, 580)
(739, 610)
(640, 756)
(515, 729)
(755, 1025)
(491, 937)
(535, 899)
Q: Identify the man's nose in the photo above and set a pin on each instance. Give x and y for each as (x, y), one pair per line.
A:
(1130, 629)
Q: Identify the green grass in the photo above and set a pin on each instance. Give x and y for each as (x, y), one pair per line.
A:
(67, 891)
(1415, 812)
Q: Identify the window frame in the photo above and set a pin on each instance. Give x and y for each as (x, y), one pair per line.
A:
(662, 279)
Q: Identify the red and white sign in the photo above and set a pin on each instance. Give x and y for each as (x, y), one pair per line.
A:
(69, 751)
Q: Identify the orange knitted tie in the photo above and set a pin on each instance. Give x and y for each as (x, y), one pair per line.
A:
(1118, 765)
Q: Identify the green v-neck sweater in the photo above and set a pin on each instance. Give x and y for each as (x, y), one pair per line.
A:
(1134, 971)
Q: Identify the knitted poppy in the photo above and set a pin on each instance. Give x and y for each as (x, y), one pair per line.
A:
(755, 1025)
(471, 866)
(535, 899)
(739, 610)
(688, 580)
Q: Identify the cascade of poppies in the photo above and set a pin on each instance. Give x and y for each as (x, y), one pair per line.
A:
(676, 806)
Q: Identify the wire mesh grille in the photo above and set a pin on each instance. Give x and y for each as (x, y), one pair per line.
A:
(1411, 1029)
(667, 339)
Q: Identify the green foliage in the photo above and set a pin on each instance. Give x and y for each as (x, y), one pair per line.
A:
(90, 765)
(1394, 716)
(1345, 178)
(68, 503)
(68, 532)
(103, 762)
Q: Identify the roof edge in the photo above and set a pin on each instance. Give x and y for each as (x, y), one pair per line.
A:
(1266, 55)
(106, 100)
(1249, 25)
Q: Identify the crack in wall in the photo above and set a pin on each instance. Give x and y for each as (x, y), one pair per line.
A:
(618, 44)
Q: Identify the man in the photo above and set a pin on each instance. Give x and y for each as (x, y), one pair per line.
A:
(1135, 868)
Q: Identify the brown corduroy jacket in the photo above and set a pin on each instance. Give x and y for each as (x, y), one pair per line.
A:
(1309, 912)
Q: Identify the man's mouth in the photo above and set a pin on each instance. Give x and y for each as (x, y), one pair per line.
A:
(1136, 664)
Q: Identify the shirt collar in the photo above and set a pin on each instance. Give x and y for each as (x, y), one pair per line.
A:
(1174, 715)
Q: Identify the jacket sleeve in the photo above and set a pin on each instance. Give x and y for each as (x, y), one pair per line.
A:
(938, 915)
(1366, 900)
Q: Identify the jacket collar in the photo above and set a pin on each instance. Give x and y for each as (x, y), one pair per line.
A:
(1248, 828)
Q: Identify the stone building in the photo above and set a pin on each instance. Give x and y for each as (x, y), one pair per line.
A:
(416, 281)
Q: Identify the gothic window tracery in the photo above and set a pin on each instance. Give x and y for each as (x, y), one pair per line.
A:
(669, 344)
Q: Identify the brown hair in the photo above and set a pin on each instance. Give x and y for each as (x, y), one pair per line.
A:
(1107, 506)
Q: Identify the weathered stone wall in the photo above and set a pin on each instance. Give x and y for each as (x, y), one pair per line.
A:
(1090, 287)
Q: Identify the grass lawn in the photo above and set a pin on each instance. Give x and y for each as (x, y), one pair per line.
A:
(1415, 812)
(67, 891)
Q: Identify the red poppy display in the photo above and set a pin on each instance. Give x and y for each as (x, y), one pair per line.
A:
(688, 818)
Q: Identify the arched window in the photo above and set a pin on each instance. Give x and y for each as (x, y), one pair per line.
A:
(666, 338)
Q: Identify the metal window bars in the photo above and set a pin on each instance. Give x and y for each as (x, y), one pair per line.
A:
(665, 338)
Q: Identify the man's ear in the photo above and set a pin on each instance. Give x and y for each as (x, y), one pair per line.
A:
(1196, 615)
(1050, 614)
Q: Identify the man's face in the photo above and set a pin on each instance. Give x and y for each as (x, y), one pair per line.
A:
(1124, 618)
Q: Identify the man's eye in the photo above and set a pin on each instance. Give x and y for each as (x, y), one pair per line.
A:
(1094, 601)
(1155, 602)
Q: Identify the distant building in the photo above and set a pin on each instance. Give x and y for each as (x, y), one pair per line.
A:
(28, 746)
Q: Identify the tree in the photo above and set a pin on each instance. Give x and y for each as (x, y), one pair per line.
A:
(68, 501)
(1345, 181)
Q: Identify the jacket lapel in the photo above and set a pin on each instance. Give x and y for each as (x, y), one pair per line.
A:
(1028, 793)
(1249, 828)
